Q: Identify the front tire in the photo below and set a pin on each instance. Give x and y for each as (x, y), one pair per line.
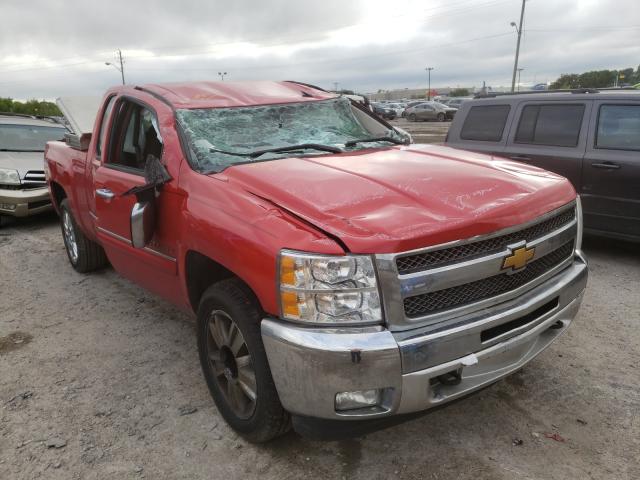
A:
(234, 362)
(84, 254)
(441, 117)
(412, 117)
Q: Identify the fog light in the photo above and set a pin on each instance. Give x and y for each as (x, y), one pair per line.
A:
(8, 206)
(358, 399)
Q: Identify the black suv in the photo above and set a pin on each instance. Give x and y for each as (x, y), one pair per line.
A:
(592, 137)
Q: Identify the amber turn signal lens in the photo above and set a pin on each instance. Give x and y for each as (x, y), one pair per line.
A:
(287, 270)
(290, 304)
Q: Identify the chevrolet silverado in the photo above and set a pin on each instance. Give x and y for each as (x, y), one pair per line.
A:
(340, 275)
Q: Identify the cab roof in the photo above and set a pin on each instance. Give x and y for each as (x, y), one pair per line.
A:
(235, 94)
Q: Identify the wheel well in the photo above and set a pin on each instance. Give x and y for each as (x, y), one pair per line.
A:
(58, 193)
(202, 272)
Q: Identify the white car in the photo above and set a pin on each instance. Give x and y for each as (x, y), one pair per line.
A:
(398, 107)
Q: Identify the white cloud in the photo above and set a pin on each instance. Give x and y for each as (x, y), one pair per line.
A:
(52, 48)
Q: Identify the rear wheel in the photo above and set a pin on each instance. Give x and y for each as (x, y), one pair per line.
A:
(84, 254)
(235, 364)
(441, 117)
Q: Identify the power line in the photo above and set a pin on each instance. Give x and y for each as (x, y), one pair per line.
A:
(344, 59)
(439, 11)
(64, 65)
(420, 50)
(208, 48)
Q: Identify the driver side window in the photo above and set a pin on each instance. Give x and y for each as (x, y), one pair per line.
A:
(136, 135)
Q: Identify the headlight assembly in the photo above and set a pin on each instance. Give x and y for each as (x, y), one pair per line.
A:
(9, 177)
(328, 290)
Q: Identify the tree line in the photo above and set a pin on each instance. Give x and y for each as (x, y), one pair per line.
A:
(30, 107)
(597, 79)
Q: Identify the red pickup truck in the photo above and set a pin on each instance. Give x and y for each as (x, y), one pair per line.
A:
(341, 276)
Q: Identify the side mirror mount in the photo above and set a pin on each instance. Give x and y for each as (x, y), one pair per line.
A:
(406, 136)
(143, 222)
(143, 213)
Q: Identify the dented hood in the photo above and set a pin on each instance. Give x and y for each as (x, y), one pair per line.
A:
(403, 198)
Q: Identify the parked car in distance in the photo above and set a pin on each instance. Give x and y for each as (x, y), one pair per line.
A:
(338, 274)
(397, 107)
(590, 137)
(385, 111)
(430, 111)
(456, 102)
(413, 103)
(23, 189)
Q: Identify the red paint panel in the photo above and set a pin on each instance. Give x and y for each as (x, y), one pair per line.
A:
(402, 198)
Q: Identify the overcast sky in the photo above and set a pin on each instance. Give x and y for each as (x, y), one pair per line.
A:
(51, 48)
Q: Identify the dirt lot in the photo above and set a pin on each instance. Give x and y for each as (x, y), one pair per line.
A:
(99, 379)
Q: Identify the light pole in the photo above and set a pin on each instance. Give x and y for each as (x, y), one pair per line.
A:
(222, 75)
(428, 69)
(519, 71)
(519, 31)
(121, 68)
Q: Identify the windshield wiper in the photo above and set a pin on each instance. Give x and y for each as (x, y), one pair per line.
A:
(288, 148)
(16, 150)
(302, 146)
(353, 143)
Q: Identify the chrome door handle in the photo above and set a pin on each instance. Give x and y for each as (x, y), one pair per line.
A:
(105, 193)
(606, 165)
(520, 158)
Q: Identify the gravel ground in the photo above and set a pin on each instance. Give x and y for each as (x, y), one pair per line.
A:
(424, 132)
(99, 379)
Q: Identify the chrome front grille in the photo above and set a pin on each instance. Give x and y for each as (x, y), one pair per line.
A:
(445, 256)
(438, 284)
(34, 178)
(467, 293)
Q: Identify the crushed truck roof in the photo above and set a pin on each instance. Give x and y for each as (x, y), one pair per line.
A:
(235, 94)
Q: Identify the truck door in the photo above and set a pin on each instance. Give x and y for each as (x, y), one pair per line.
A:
(551, 135)
(611, 170)
(134, 134)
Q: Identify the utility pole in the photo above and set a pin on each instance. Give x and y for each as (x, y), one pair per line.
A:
(335, 87)
(428, 69)
(222, 75)
(519, 71)
(519, 31)
(121, 67)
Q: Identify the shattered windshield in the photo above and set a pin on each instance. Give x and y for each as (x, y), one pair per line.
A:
(221, 137)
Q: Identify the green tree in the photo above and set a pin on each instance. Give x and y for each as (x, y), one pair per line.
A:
(597, 79)
(459, 92)
(6, 104)
(30, 107)
(566, 80)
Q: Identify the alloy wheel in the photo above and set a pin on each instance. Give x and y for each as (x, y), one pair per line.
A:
(69, 236)
(231, 364)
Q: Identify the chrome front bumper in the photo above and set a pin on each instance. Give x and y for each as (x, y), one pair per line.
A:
(24, 202)
(311, 365)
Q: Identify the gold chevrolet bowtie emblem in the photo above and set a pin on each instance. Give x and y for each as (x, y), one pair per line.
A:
(518, 258)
